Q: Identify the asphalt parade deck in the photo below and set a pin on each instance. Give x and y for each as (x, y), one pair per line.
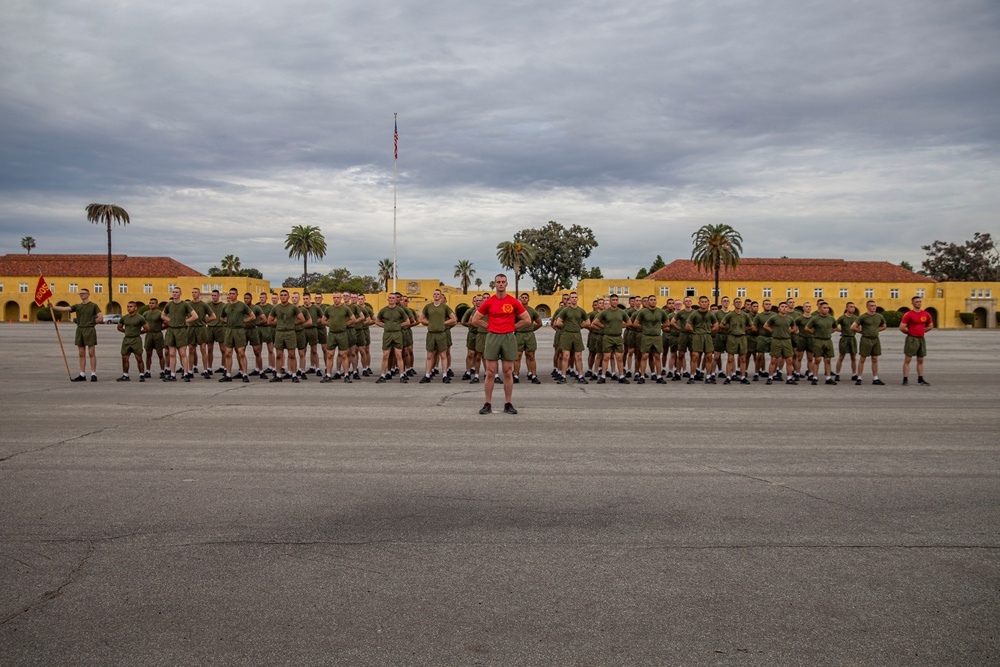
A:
(312, 524)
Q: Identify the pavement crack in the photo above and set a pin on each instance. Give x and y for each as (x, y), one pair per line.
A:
(447, 397)
(53, 594)
(782, 486)
(54, 444)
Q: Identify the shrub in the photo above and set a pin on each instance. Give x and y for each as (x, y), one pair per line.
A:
(893, 318)
(43, 315)
(967, 318)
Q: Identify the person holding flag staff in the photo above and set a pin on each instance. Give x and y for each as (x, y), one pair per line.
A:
(88, 315)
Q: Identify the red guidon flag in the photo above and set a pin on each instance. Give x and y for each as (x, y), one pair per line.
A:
(42, 292)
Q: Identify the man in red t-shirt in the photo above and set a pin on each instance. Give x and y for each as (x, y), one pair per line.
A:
(500, 314)
(915, 324)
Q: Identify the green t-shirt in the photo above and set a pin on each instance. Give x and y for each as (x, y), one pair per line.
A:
(393, 318)
(801, 322)
(870, 324)
(614, 320)
(651, 320)
(315, 313)
(177, 313)
(285, 316)
(218, 309)
(573, 318)
(337, 317)
(736, 323)
(153, 319)
(781, 326)
(235, 314)
(844, 322)
(532, 315)
(822, 326)
(203, 309)
(702, 322)
(681, 319)
(132, 324)
(761, 319)
(436, 316)
(86, 313)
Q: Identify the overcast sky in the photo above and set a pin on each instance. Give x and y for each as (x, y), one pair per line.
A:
(859, 130)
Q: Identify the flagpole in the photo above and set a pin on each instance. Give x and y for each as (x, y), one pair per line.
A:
(56, 325)
(395, 158)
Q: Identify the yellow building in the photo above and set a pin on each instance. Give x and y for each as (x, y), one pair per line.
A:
(136, 279)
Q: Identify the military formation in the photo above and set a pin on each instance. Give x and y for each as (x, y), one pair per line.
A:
(289, 337)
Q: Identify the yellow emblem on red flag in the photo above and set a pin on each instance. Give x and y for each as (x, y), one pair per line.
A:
(42, 292)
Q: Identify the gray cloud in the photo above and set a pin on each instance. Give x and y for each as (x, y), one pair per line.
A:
(816, 129)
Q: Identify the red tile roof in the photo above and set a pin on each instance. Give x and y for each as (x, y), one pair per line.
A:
(753, 269)
(85, 266)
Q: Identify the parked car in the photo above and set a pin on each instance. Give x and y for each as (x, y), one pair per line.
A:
(112, 319)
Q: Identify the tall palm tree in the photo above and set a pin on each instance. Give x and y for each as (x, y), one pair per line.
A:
(464, 271)
(28, 243)
(386, 270)
(516, 256)
(715, 247)
(231, 265)
(479, 283)
(105, 214)
(305, 241)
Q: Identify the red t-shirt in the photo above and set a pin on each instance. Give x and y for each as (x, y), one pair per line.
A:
(501, 313)
(916, 323)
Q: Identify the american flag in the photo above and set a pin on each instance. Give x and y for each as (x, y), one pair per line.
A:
(395, 138)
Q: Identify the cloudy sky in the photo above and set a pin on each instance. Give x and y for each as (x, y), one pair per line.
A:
(859, 130)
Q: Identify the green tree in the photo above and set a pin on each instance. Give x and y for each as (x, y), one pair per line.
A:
(305, 241)
(517, 257)
(28, 243)
(715, 247)
(559, 254)
(657, 264)
(906, 265)
(479, 283)
(642, 273)
(231, 265)
(386, 270)
(105, 214)
(593, 274)
(341, 279)
(464, 272)
(975, 260)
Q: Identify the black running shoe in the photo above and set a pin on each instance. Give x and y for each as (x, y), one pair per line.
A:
(906, 381)
(509, 409)
(923, 382)
(225, 378)
(601, 380)
(769, 381)
(535, 380)
(517, 380)
(93, 378)
(124, 378)
(727, 381)
(467, 376)
(446, 380)
(623, 381)
(486, 409)
(878, 382)
(858, 382)
(326, 379)
(474, 380)
(276, 378)
(79, 378)
(830, 381)
(425, 380)
(246, 379)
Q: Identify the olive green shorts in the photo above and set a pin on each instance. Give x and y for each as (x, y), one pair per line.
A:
(781, 348)
(915, 347)
(253, 336)
(266, 334)
(85, 336)
(804, 344)
(613, 344)
(736, 345)
(175, 337)
(684, 342)
(848, 345)
(500, 346)
(437, 341)
(571, 342)
(216, 334)
(153, 341)
(408, 337)
(763, 345)
(339, 341)
(870, 347)
(236, 338)
(285, 340)
(392, 340)
(131, 345)
(321, 335)
(481, 343)
(300, 339)
(822, 347)
(720, 342)
(702, 343)
(312, 338)
(648, 344)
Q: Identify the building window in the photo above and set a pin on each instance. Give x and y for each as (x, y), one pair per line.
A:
(989, 293)
(171, 286)
(664, 291)
(792, 292)
(843, 292)
(22, 287)
(147, 288)
(123, 288)
(869, 292)
(1, 287)
(818, 293)
(940, 293)
(98, 288)
(921, 293)
(767, 292)
(980, 294)
(73, 287)
(620, 290)
(741, 292)
(894, 293)
(973, 293)
(715, 293)
(690, 291)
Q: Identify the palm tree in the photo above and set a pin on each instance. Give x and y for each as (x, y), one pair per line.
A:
(716, 246)
(28, 243)
(465, 271)
(386, 270)
(516, 256)
(231, 265)
(104, 214)
(305, 242)
(479, 283)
